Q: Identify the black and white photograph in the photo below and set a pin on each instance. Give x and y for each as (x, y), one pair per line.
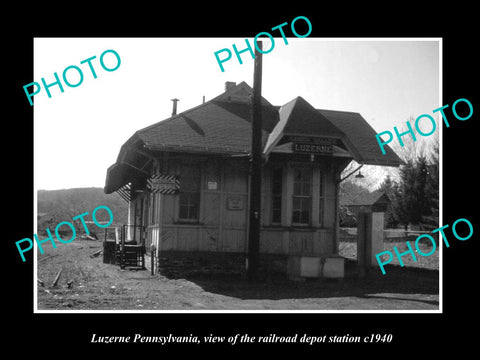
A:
(271, 181)
(197, 223)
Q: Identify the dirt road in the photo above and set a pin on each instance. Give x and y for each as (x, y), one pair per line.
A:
(86, 283)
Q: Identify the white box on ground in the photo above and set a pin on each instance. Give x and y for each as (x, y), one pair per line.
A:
(310, 266)
(316, 267)
(334, 267)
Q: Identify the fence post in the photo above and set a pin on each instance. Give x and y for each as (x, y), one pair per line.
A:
(152, 259)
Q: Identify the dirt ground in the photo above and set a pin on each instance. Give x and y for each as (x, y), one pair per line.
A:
(86, 283)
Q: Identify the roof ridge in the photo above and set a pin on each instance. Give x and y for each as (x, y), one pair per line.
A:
(230, 94)
(300, 104)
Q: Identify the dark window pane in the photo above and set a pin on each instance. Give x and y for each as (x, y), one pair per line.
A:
(183, 212)
(277, 195)
(305, 204)
(189, 203)
(276, 216)
(277, 202)
(321, 185)
(305, 217)
(297, 175)
(320, 220)
(302, 192)
(306, 189)
(296, 216)
(277, 187)
(193, 212)
(296, 203)
(297, 188)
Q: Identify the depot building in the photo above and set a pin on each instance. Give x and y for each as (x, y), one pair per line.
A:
(186, 179)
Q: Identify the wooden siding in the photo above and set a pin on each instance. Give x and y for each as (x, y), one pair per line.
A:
(221, 225)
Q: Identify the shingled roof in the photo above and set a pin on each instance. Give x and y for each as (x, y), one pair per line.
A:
(364, 198)
(223, 126)
(299, 117)
(361, 138)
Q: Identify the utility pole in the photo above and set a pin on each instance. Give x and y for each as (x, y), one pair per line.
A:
(255, 169)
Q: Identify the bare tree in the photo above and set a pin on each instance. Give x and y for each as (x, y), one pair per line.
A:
(413, 149)
(417, 191)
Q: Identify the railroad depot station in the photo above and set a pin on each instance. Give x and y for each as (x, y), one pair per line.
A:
(186, 180)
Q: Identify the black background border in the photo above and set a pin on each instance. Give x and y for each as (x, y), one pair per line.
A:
(423, 332)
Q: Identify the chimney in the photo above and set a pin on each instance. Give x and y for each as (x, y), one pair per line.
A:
(174, 111)
(230, 85)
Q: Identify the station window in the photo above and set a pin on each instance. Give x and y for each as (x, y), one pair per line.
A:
(189, 193)
(189, 204)
(153, 205)
(302, 196)
(321, 204)
(277, 195)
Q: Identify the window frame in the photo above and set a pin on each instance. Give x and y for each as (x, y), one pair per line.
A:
(276, 180)
(197, 193)
(196, 205)
(153, 208)
(321, 198)
(302, 197)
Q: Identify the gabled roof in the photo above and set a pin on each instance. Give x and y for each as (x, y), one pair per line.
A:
(298, 117)
(223, 126)
(361, 138)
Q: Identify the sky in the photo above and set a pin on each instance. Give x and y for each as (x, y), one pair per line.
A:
(78, 133)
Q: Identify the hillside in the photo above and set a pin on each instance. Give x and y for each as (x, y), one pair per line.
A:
(55, 206)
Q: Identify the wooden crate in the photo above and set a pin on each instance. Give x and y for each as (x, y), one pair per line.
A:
(132, 256)
(109, 252)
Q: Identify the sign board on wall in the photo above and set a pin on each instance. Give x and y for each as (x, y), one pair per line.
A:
(235, 203)
(212, 185)
(163, 184)
(312, 145)
(312, 148)
(313, 140)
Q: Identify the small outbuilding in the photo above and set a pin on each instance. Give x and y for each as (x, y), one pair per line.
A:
(375, 201)
(186, 178)
(364, 201)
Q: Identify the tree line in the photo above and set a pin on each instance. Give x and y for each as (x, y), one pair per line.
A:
(55, 206)
(413, 188)
(414, 192)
